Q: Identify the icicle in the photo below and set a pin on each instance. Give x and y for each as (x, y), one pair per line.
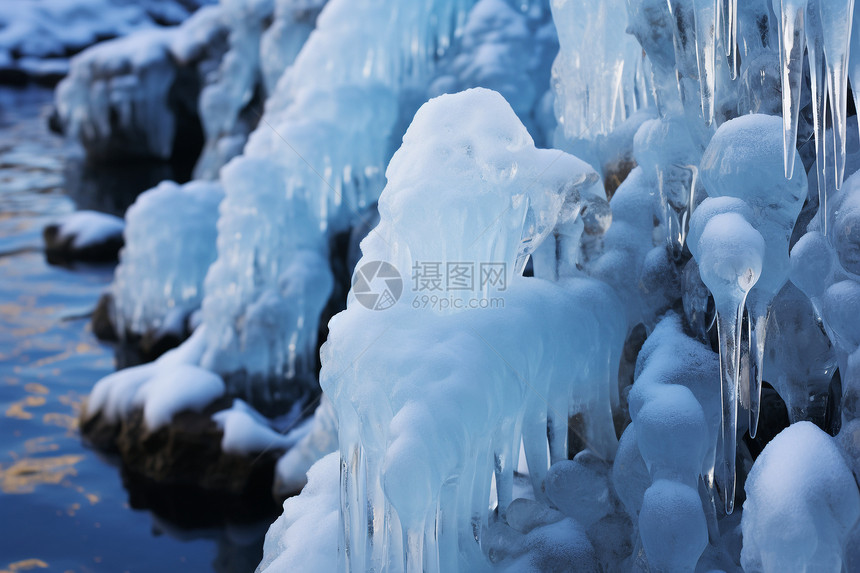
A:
(836, 17)
(758, 313)
(729, 33)
(706, 41)
(729, 317)
(730, 254)
(791, 44)
(817, 77)
(854, 61)
(684, 35)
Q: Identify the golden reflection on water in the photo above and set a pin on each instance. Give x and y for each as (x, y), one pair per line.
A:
(25, 474)
(25, 565)
(39, 461)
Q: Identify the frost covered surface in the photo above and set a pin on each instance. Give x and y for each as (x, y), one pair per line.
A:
(170, 243)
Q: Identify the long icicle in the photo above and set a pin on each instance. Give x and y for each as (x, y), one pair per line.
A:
(854, 62)
(758, 315)
(818, 83)
(729, 321)
(792, 14)
(836, 18)
(729, 27)
(706, 41)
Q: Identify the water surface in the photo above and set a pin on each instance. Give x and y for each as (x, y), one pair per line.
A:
(63, 506)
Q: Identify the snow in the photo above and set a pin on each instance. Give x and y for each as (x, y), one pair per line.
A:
(90, 228)
(57, 28)
(169, 385)
(303, 537)
(246, 431)
(182, 387)
(802, 501)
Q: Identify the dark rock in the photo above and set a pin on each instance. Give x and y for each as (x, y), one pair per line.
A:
(102, 322)
(183, 456)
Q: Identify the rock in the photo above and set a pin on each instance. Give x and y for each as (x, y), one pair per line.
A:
(184, 455)
(101, 322)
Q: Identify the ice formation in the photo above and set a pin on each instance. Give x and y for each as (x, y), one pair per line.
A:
(740, 238)
(509, 50)
(170, 243)
(825, 268)
(267, 288)
(481, 152)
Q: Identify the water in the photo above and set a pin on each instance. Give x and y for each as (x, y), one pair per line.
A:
(63, 507)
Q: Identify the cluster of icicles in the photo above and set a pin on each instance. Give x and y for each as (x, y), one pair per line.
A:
(730, 59)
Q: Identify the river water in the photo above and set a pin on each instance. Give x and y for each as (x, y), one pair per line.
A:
(63, 507)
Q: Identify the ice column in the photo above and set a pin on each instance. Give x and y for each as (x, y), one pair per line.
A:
(674, 432)
(419, 449)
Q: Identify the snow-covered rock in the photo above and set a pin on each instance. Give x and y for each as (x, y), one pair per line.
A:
(85, 236)
(137, 95)
(37, 37)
